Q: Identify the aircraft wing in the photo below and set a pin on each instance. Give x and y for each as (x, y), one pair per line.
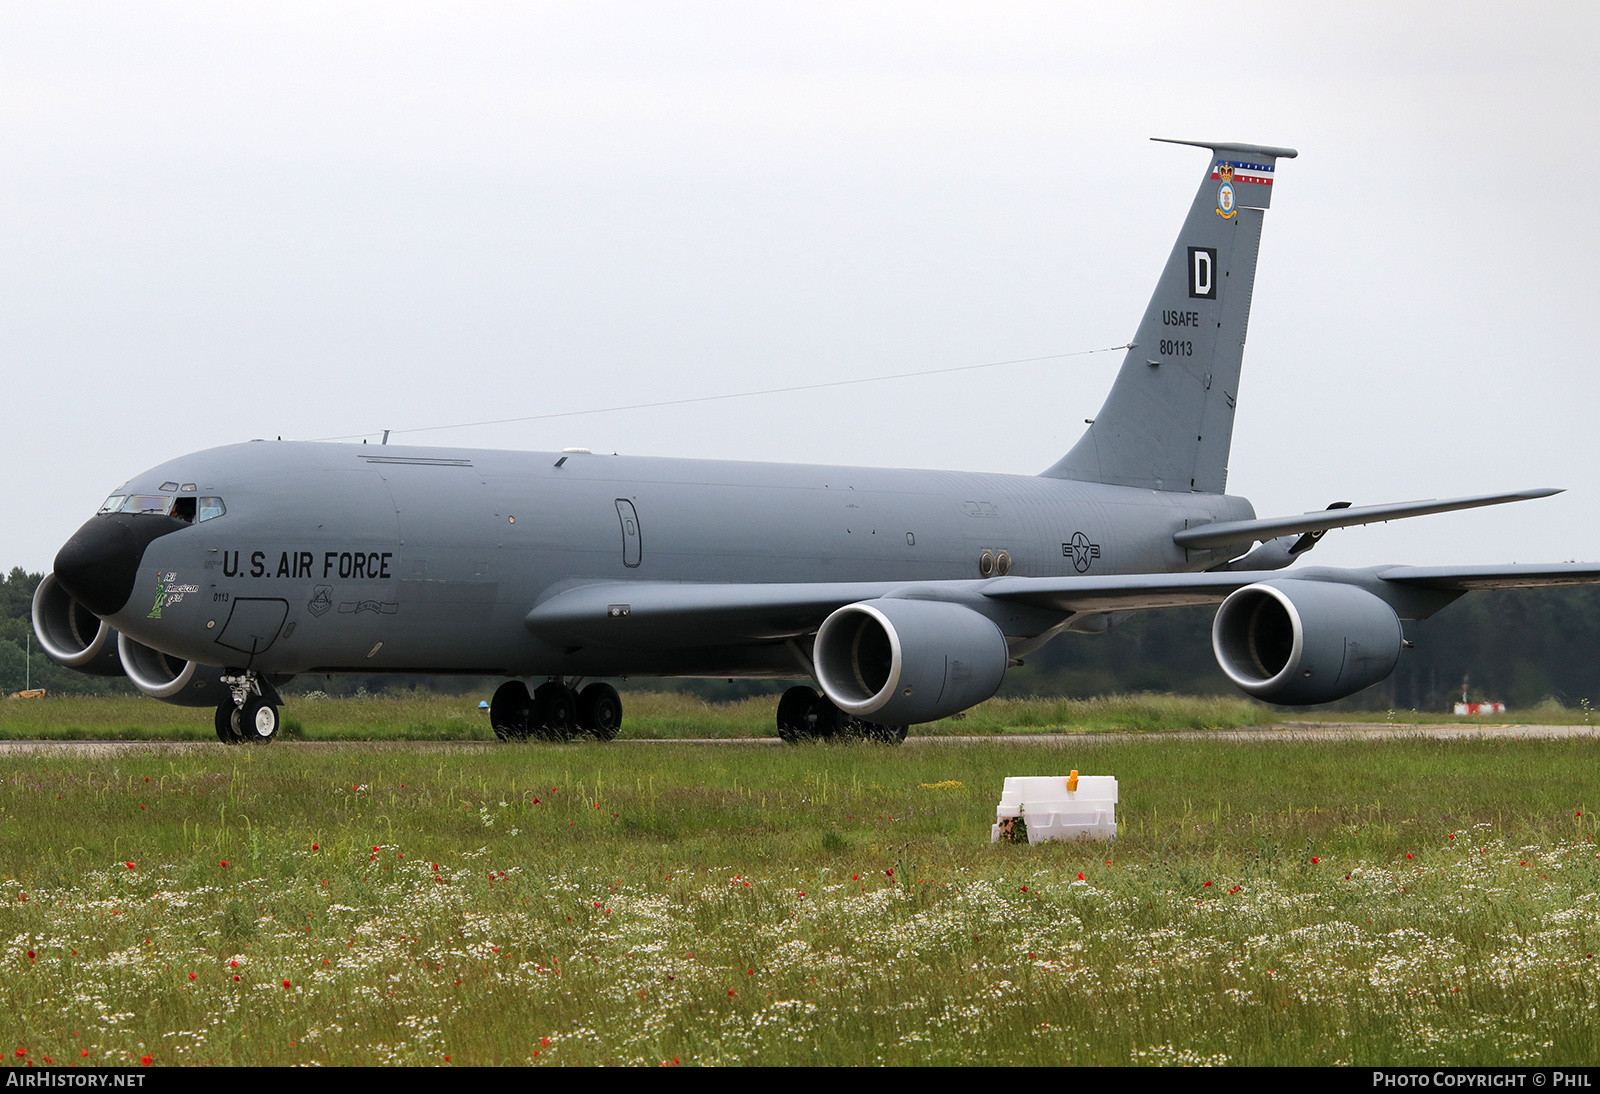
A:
(648, 613)
(651, 612)
(1470, 578)
(1233, 532)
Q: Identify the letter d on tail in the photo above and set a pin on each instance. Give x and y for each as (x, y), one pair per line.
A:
(1202, 273)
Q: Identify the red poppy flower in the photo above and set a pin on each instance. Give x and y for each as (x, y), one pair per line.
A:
(145, 1060)
(1080, 875)
(192, 976)
(129, 865)
(1315, 860)
(286, 983)
(316, 847)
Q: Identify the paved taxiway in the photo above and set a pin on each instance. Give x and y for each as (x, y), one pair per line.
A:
(1304, 731)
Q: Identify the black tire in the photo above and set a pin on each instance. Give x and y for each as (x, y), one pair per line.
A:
(600, 711)
(555, 711)
(828, 722)
(509, 711)
(792, 710)
(258, 721)
(227, 722)
(888, 735)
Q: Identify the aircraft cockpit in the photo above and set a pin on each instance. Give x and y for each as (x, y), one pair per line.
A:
(183, 506)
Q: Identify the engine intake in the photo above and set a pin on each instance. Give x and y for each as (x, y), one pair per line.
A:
(71, 634)
(162, 676)
(1301, 642)
(900, 662)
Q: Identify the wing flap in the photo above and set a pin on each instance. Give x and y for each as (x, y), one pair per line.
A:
(1123, 592)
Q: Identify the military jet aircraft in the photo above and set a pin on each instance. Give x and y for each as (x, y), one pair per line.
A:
(904, 595)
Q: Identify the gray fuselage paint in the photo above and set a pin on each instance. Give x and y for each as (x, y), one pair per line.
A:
(430, 559)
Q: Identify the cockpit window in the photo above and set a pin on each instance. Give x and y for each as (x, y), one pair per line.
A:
(146, 503)
(191, 510)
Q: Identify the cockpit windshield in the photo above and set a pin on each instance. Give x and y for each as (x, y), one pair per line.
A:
(187, 509)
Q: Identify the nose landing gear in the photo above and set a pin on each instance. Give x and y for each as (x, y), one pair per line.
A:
(249, 712)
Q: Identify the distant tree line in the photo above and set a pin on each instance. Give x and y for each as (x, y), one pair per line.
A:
(1520, 647)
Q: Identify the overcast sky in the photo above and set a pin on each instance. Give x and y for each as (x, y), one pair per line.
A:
(220, 222)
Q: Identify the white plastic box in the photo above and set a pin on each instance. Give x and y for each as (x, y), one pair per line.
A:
(1051, 811)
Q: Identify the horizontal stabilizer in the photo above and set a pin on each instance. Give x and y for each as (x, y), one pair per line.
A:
(1241, 532)
(1239, 149)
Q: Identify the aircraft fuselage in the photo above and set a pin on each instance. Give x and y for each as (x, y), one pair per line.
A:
(338, 558)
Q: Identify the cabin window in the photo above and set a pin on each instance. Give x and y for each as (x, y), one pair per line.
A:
(211, 508)
(114, 503)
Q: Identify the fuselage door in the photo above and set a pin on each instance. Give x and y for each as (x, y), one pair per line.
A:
(630, 532)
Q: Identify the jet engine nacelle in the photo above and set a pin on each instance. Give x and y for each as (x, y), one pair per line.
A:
(162, 676)
(70, 634)
(900, 662)
(1301, 642)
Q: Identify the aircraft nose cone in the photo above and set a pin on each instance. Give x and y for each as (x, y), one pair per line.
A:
(100, 563)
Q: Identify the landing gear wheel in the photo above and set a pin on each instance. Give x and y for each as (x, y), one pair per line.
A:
(258, 720)
(888, 735)
(555, 711)
(228, 722)
(828, 722)
(792, 709)
(600, 711)
(510, 710)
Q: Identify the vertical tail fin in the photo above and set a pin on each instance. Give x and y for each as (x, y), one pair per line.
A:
(1168, 421)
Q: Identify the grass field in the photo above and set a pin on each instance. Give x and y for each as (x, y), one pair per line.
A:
(1397, 902)
(429, 717)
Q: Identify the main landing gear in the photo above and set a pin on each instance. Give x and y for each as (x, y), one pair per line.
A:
(555, 711)
(803, 715)
(249, 712)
